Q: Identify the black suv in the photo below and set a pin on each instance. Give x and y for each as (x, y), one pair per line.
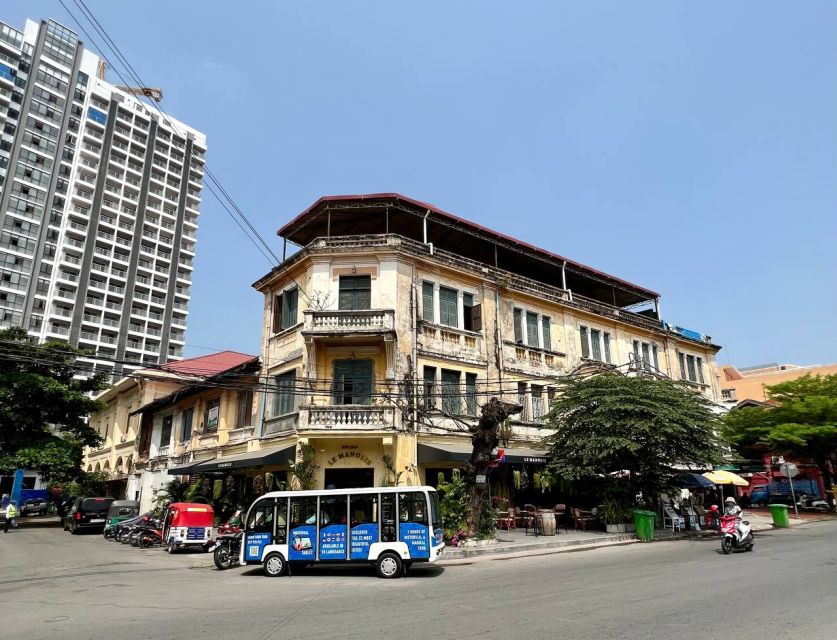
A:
(87, 513)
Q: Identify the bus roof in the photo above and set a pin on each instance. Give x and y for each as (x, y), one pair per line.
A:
(340, 492)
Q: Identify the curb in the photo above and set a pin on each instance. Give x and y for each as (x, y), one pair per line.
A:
(532, 553)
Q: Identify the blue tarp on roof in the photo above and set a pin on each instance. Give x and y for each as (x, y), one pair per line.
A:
(688, 333)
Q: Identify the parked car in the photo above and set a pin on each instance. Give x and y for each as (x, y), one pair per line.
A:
(87, 513)
(33, 507)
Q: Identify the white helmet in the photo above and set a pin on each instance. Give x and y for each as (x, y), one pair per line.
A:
(730, 499)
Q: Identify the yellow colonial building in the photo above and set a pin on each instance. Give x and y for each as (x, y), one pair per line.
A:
(177, 415)
(395, 321)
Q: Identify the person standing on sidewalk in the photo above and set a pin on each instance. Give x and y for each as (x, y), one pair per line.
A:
(11, 513)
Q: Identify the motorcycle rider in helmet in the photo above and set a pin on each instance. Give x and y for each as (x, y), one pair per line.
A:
(731, 508)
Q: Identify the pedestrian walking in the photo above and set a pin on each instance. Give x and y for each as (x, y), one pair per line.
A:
(11, 512)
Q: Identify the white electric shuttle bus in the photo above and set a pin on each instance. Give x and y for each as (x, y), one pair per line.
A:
(390, 527)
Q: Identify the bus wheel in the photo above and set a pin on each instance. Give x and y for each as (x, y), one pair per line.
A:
(389, 565)
(275, 565)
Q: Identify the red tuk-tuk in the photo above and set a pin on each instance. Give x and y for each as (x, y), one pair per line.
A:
(186, 525)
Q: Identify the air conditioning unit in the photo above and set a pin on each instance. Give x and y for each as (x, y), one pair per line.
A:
(777, 460)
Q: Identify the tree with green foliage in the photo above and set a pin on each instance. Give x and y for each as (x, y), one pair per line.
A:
(88, 483)
(43, 408)
(803, 423)
(626, 435)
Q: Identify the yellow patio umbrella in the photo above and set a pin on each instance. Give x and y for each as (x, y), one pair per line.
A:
(719, 476)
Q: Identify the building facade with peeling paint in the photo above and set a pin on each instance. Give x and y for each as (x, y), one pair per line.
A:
(395, 321)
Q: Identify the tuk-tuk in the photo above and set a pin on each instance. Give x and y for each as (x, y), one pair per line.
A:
(187, 525)
(118, 511)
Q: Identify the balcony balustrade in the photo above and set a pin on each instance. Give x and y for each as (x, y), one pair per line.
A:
(347, 417)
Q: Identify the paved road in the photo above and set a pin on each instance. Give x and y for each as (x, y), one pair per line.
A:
(53, 585)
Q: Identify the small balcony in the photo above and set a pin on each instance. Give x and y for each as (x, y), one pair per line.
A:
(347, 418)
(436, 340)
(532, 360)
(348, 322)
(346, 326)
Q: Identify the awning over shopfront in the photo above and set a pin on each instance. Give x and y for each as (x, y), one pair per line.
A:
(431, 453)
(276, 456)
(183, 469)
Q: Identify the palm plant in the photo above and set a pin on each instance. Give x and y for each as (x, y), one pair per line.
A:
(304, 469)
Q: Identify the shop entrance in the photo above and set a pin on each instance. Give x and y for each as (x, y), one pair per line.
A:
(349, 478)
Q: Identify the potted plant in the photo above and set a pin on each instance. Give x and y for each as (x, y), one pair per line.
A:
(630, 527)
(614, 516)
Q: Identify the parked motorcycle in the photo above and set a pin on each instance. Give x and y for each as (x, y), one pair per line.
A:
(149, 537)
(809, 503)
(737, 534)
(227, 550)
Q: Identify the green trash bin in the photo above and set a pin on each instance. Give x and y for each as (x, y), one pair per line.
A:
(644, 521)
(780, 515)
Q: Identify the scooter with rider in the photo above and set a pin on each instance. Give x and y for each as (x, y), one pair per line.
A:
(737, 534)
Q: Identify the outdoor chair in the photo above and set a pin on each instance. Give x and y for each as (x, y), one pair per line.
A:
(560, 512)
(531, 515)
(582, 521)
(505, 519)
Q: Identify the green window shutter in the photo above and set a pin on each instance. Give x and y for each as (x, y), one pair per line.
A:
(646, 355)
(289, 308)
(471, 393)
(547, 334)
(700, 370)
(429, 387)
(352, 382)
(355, 293)
(448, 307)
(187, 424)
(637, 357)
(585, 345)
(518, 326)
(285, 393)
(532, 329)
(451, 393)
(277, 313)
(654, 354)
(606, 339)
(427, 301)
(682, 358)
(690, 361)
(595, 343)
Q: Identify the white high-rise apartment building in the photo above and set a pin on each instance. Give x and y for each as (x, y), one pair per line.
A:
(99, 200)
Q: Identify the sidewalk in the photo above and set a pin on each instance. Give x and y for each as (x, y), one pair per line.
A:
(515, 543)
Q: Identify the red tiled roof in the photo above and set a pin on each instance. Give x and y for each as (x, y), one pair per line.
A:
(209, 365)
(288, 228)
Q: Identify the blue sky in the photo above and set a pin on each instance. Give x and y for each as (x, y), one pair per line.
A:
(688, 147)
